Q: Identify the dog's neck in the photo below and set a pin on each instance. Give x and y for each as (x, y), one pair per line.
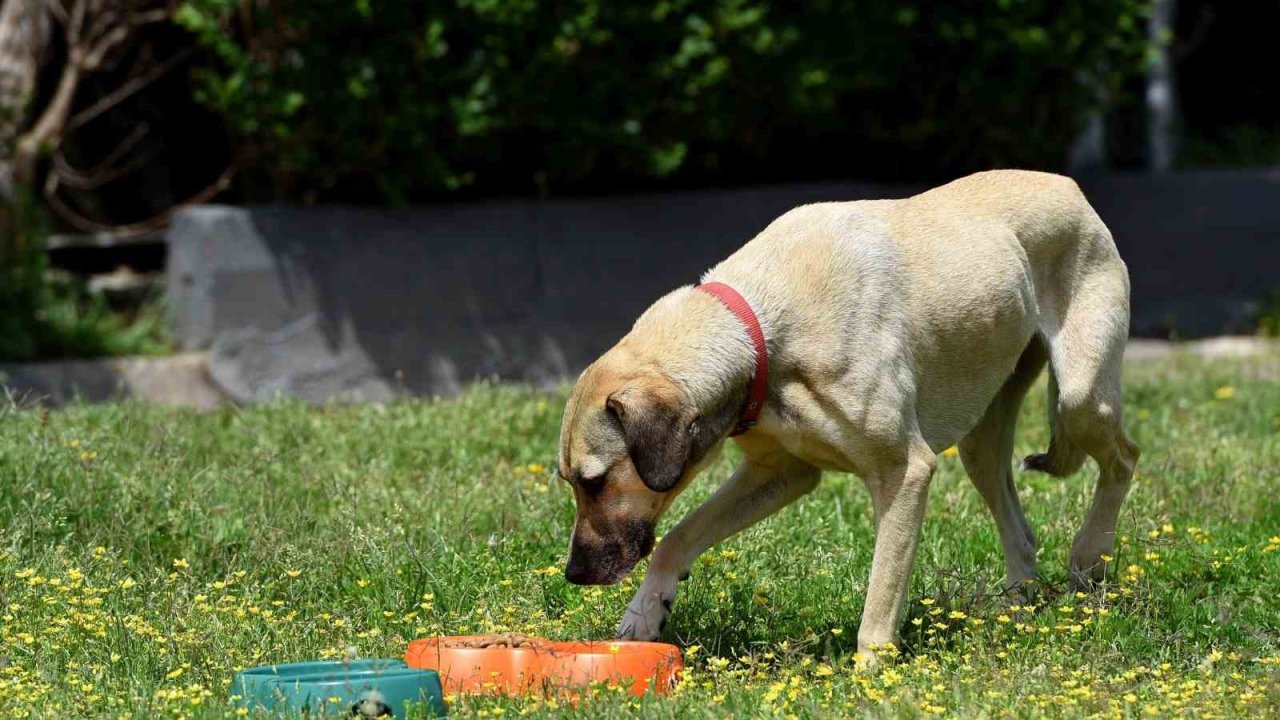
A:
(702, 347)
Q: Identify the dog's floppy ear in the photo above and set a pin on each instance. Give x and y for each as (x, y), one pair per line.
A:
(660, 433)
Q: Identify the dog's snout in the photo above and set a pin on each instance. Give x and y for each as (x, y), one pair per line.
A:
(593, 565)
(606, 561)
(576, 570)
(596, 564)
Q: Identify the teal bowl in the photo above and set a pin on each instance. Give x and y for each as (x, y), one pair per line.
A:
(360, 688)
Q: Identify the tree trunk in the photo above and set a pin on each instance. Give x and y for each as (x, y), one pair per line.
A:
(24, 35)
(1162, 90)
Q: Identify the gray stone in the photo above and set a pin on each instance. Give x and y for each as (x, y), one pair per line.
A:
(252, 365)
(1140, 349)
(179, 380)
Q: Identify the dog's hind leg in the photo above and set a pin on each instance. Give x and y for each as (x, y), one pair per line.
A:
(1086, 354)
(987, 453)
(759, 488)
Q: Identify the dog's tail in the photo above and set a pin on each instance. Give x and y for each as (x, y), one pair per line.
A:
(1063, 457)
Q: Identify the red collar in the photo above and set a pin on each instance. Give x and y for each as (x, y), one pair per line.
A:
(740, 307)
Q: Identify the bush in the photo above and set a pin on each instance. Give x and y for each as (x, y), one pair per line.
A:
(47, 316)
(400, 101)
(1269, 315)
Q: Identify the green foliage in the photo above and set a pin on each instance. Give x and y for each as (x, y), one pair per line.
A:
(45, 314)
(398, 101)
(48, 316)
(1241, 145)
(1269, 315)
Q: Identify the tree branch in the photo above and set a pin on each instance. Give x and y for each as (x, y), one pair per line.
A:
(48, 129)
(151, 16)
(57, 10)
(124, 92)
(92, 60)
(73, 27)
(151, 224)
(106, 170)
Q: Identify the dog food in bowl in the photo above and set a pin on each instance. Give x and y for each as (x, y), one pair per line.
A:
(502, 640)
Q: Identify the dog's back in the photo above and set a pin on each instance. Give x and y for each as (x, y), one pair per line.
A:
(960, 281)
(1042, 209)
(1066, 249)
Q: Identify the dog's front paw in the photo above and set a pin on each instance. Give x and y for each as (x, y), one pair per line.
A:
(872, 657)
(1089, 563)
(1087, 575)
(866, 662)
(1026, 592)
(646, 615)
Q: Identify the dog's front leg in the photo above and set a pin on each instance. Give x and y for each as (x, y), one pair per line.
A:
(757, 490)
(899, 495)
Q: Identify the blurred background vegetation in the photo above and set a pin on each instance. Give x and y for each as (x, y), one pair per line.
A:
(115, 112)
(408, 101)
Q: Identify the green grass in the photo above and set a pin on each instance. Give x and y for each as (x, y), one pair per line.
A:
(147, 553)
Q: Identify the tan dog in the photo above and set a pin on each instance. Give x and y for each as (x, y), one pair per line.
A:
(895, 329)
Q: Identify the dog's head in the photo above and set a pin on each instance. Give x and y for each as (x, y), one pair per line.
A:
(631, 440)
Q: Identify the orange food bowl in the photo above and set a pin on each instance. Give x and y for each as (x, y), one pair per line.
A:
(637, 665)
(542, 665)
(494, 669)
